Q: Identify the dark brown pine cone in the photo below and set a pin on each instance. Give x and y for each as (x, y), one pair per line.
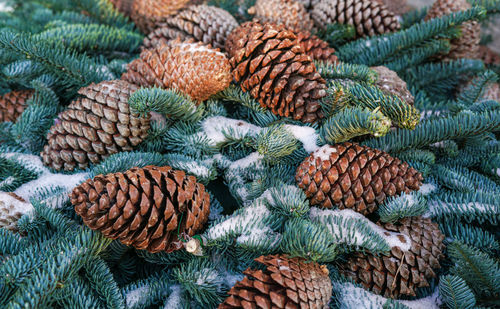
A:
(400, 272)
(94, 126)
(352, 176)
(268, 63)
(145, 208)
(467, 45)
(289, 13)
(316, 48)
(12, 104)
(206, 24)
(390, 83)
(368, 17)
(290, 283)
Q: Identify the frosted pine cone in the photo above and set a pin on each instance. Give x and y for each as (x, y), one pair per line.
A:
(401, 271)
(12, 208)
(285, 283)
(12, 104)
(467, 45)
(268, 62)
(206, 24)
(195, 69)
(352, 176)
(368, 17)
(94, 126)
(144, 207)
(316, 48)
(390, 83)
(289, 13)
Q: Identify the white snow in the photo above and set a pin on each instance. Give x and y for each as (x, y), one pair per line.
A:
(12, 208)
(231, 279)
(253, 158)
(430, 302)
(498, 172)
(256, 235)
(174, 300)
(214, 128)
(306, 135)
(7, 181)
(391, 238)
(427, 188)
(324, 152)
(440, 207)
(206, 275)
(4, 7)
(133, 297)
(410, 199)
(194, 168)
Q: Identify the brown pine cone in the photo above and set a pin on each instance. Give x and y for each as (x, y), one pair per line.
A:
(290, 283)
(206, 24)
(94, 126)
(398, 7)
(269, 64)
(315, 47)
(488, 56)
(467, 45)
(400, 272)
(145, 208)
(12, 208)
(352, 176)
(390, 83)
(289, 13)
(368, 17)
(195, 69)
(308, 4)
(12, 104)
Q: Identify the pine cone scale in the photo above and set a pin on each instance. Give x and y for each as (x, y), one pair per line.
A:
(12, 104)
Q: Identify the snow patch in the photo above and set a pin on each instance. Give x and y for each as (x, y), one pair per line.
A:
(306, 135)
(11, 209)
(215, 127)
(7, 181)
(206, 275)
(427, 188)
(133, 297)
(253, 158)
(429, 302)
(174, 300)
(498, 172)
(324, 152)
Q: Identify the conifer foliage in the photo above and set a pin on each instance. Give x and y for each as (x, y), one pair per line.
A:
(248, 154)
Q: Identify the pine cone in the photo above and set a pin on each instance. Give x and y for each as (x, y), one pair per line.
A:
(289, 13)
(308, 4)
(400, 272)
(12, 208)
(488, 56)
(316, 48)
(144, 207)
(467, 45)
(369, 17)
(95, 126)
(12, 104)
(267, 62)
(352, 176)
(398, 7)
(207, 24)
(193, 68)
(290, 283)
(390, 83)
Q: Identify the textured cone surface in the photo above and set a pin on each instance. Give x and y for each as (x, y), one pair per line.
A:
(12, 104)
(467, 45)
(367, 16)
(398, 7)
(194, 69)
(289, 13)
(147, 14)
(12, 208)
(144, 207)
(315, 47)
(488, 55)
(390, 83)
(308, 4)
(206, 24)
(400, 272)
(290, 283)
(95, 126)
(268, 63)
(351, 176)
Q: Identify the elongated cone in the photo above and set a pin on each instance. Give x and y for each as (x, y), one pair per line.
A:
(290, 283)
(152, 208)
(94, 126)
(202, 23)
(195, 69)
(268, 62)
(289, 13)
(348, 175)
(400, 272)
(12, 104)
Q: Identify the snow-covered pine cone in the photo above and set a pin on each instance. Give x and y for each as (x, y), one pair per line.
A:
(12, 208)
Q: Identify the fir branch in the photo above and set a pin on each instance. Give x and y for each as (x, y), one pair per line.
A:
(424, 156)
(102, 11)
(343, 70)
(11, 243)
(471, 235)
(405, 205)
(455, 293)
(287, 201)
(337, 34)
(417, 55)
(78, 294)
(146, 292)
(275, 142)
(121, 162)
(413, 16)
(13, 175)
(101, 279)
(473, 93)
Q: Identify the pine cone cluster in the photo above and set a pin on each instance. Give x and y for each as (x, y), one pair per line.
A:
(152, 208)
(368, 17)
(12, 104)
(400, 272)
(12, 208)
(390, 83)
(286, 282)
(206, 24)
(94, 126)
(289, 13)
(351, 176)
(268, 63)
(195, 69)
(467, 45)
(315, 47)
